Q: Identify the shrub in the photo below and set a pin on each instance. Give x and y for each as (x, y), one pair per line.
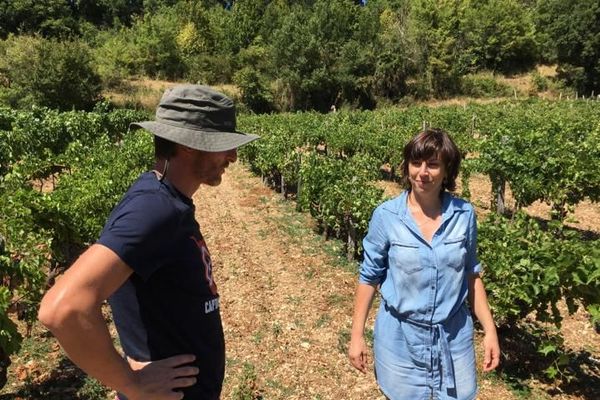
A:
(255, 91)
(483, 85)
(155, 46)
(48, 73)
(114, 57)
(570, 29)
(539, 82)
(208, 68)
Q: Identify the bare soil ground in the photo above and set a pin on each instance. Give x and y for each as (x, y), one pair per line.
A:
(286, 308)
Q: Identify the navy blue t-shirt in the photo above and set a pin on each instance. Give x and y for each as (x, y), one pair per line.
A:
(169, 305)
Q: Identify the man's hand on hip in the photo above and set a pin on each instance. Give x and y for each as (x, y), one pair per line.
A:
(157, 380)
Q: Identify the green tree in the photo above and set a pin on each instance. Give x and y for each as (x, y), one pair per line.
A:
(153, 6)
(499, 36)
(253, 78)
(396, 56)
(154, 40)
(115, 56)
(199, 46)
(49, 18)
(108, 13)
(48, 73)
(573, 29)
(322, 55)
(246, 21)
(437, 28)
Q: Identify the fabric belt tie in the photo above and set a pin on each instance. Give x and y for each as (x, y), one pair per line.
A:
(442, 344)
(445, 357)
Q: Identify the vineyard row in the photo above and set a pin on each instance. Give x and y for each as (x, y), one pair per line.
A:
(329, 163)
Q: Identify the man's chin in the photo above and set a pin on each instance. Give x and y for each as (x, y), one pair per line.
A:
(214, 182)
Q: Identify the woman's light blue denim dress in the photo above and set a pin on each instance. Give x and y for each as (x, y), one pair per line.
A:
(423, 340)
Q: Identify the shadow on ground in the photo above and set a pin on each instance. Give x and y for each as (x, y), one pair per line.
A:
(578, 372)
(65, 382)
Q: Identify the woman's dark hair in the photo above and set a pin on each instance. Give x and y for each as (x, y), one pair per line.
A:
(427, 144)
(164, 148)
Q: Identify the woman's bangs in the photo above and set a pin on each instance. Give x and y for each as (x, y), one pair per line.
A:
(424, 150)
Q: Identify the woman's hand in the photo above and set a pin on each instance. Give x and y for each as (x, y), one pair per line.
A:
(357, 352)
(491, 350)
(157, 380)
(481, 309)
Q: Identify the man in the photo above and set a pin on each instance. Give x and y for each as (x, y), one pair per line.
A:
(153, 265)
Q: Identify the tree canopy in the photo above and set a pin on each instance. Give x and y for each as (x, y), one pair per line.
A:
(312, 54)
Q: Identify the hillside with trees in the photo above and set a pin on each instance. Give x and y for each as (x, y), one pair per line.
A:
(288, 55)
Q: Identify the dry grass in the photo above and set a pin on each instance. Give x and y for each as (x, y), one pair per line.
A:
(520, 83)
(548, 71)
(146, 93)
(138, 93)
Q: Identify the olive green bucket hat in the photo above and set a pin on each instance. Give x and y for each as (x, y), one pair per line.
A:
(197, 116)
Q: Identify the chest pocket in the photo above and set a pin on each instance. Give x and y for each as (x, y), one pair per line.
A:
(405, 256)
(455, 252)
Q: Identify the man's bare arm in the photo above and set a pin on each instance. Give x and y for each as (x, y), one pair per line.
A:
(71, 310)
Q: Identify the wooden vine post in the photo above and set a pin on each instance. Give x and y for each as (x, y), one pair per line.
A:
(299, 188)
(498, 190)
(351, 241)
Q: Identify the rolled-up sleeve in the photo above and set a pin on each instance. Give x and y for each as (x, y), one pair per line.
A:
(375, 244)
(473, 265)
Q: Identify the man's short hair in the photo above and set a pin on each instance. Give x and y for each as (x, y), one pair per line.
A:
(164, 148)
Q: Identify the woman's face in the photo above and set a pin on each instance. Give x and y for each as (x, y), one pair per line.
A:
(426, 176)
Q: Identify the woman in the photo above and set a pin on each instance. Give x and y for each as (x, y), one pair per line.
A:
(421, 252)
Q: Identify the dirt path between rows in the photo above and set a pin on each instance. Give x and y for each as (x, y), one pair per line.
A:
(286, 309)
(283, 309)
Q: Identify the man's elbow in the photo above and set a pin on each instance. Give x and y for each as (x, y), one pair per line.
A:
(54, 313)
(47, 314)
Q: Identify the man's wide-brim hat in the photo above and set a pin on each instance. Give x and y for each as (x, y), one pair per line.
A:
(199, 117)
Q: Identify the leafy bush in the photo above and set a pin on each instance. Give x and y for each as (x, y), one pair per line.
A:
(48, 73)
(570, 29)
(539, 82)
(575, 77)
(24, 253)
(115, 57)
(498, 35)
(395, 57)
(484, 85)
(530, 268)
(255, 93)
(156, 53)
(87, 195)
(252, 79)
(150, 47)
(42, 231)
(49, 18)
(545, 151)
(323, 56)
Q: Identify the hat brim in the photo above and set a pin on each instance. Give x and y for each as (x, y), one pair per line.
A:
(205, 140)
